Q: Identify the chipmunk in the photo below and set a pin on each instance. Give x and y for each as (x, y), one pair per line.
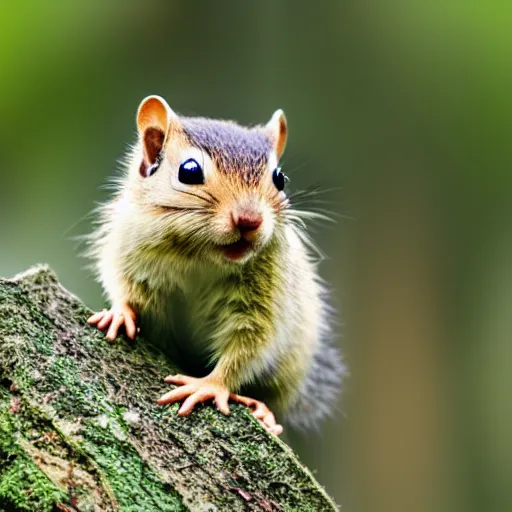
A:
(201, 247)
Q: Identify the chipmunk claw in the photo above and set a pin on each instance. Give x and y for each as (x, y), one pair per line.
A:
(195, 390)
(114, 319)
(261, 412)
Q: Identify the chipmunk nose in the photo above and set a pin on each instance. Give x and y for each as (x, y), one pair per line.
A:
(247, 221)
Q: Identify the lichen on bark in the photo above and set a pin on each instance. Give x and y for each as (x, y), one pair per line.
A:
(80, 429)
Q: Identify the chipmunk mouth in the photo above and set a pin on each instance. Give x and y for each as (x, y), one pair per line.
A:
(237, 250)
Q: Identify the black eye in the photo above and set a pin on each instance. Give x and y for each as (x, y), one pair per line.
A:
(191, 173)
(278, 178)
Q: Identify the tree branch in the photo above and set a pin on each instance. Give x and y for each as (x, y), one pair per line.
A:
(80, 429)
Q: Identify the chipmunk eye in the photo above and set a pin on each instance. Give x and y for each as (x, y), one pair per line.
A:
(191, 173)
(278, 178)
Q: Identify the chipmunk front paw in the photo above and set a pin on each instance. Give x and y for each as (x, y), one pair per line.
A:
(114, 318)
(194, 391)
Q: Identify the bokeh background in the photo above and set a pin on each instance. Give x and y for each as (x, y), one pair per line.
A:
(402, 110)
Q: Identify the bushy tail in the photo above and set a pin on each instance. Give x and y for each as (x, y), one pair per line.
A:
(320, 389)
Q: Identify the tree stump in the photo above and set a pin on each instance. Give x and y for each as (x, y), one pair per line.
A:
(80, 429)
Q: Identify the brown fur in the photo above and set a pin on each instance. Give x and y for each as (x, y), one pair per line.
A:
(162, 249)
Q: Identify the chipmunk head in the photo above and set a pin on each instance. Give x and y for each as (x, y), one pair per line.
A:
(213, 187)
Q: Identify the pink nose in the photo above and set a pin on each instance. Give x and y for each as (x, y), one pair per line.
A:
(248, 222)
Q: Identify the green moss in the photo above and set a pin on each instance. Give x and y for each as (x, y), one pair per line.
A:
(81, 404)
(136, 487)
(16, 307)
(25, 486)
(22, 484)
(73, 395)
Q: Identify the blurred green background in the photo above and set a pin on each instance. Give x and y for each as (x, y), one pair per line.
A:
(403, 108)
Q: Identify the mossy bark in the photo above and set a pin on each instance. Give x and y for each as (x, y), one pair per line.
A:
(80, 429)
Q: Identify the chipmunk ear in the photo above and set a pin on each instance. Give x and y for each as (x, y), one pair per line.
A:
(278, 130)
(153, 118)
